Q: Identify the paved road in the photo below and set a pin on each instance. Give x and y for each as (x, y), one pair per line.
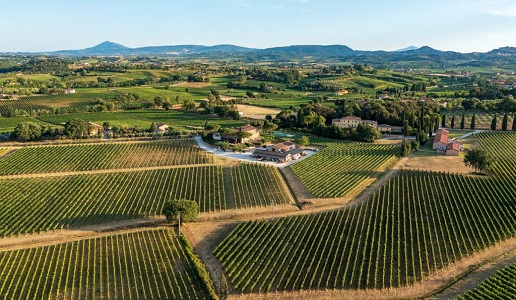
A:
(246, 156)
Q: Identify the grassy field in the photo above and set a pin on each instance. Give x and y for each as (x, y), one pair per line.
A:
(8, 124)
(114, 119)
(180, 120)
(147, 264)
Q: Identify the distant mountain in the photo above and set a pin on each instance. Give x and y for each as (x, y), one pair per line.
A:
(410, 57)
(407, 49)
(312, 50)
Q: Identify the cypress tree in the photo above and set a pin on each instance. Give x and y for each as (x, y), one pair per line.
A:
(472, 125)
(462, 122)
(443, 121)
(452, 125)
(436, 125)
(513, 122)
(504, 122)
(493, 123)
(405, 128)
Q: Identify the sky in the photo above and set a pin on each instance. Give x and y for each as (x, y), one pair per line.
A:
(456, 25)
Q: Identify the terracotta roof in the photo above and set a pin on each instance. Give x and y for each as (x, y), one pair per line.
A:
(270, 153)
(441, 136)
(453, 146)
(350, 118)
(284, 145)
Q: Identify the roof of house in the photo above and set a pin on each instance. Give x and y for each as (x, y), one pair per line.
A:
(441, 136)
(159, 124)
(262, 152)
(95, 125)
(453, 146)
(284, 145)
(350, 118)
(388, 126)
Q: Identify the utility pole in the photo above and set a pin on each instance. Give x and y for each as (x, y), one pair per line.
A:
(179, 222)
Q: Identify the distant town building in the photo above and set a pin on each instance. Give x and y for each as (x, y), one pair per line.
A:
(353, 122)
(69, 91)
(95, 129)
(161, 127)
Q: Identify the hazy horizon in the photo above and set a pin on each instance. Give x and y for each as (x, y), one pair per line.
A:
(462, 26)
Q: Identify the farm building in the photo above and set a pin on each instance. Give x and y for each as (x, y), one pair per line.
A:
(383, 128)
(161, 127)
(353, 122)
(69, 91)
(441, 140)
(281, 152)
(95, 129)
(237, 139)
(453, 149)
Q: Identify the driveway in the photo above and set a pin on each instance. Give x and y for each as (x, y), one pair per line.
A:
(246, 156)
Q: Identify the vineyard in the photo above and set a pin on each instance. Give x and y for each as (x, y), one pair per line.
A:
(50, 159)
(38, 204)
(29, 205)
(8, 124)
(149, 264)
(417, 223)
(341, 167)
(502, 285)
(257, 185)
(505, 156)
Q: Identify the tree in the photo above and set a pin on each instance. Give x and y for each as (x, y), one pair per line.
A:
(106, 125)
(452, 125)
(269, 126)
(367, 133)
(187, 208)
(505, 120)
(472, 125)
(76, 128)
(443, 121)
(493, 123)
(478, 159)
(303, 141)
(414, 145)
(153, 127)
(268, 118)
(28, 131)
(158, 101)
(406, 130)
(405, 148)
(188, 105)
(462, 122)
(513, 122)
(244, 134)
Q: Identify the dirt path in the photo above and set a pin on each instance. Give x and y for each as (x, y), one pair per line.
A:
(293, 181)
(71, 235)
(368, 191)
(473, 279)
(70, 173)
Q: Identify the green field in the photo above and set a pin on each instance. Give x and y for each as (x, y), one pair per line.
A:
(9, 124)
(50, 159)
(180, 120)
(341, 167)
(504, 156)
(114, 119)
(502, 285)
(48, 203)
(416, 224)
(148, 264)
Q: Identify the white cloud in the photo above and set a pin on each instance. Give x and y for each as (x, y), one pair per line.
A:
(507, 12)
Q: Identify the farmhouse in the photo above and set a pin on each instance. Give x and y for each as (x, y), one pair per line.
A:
(384, 128)
(353, 122)
(69, 91)
(237, 137)
(280, 153)
(95, 129)
(441, 140)
(453, 149)
(161, 127)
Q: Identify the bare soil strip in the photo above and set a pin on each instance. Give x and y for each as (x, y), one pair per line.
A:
(473, 279)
